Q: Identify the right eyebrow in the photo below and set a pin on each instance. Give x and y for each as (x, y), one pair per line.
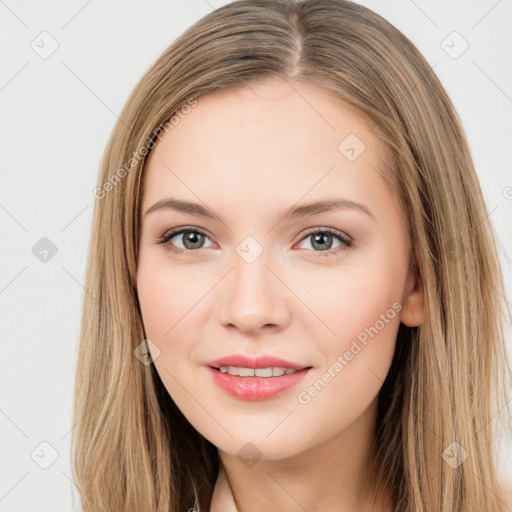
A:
(182, 206)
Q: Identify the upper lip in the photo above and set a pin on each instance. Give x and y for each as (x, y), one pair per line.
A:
(264, 361)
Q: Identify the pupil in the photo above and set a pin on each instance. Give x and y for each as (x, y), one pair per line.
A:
(193, 238)
(319, 237)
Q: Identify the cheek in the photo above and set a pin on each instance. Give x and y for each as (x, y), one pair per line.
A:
(156, 302)
(362, 311)
(355, 299)
(356, 360)
(363, 320)
(165, 294)
(166, 297)
(171, 298)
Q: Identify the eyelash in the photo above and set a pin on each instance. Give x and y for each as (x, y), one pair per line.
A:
(345, 240)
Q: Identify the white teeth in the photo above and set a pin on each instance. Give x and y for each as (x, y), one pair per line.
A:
(262, 372)
(245, 372)
(273, 371)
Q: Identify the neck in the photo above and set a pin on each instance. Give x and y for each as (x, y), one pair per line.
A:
(334, 475)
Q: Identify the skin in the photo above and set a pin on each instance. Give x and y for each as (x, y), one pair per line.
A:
(247, 154)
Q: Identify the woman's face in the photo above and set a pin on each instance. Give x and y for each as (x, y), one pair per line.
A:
(322, 287)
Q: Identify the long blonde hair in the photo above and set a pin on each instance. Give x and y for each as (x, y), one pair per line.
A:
(132, 449)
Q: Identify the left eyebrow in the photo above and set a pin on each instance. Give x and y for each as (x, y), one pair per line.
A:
(301, 210)
(313, 208)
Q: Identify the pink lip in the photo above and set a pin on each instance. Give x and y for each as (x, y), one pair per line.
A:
(256, 362)
(255, 388)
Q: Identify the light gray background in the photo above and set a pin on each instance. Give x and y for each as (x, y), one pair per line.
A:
(56, 115)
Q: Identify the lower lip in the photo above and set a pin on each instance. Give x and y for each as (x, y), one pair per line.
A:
(256, 388)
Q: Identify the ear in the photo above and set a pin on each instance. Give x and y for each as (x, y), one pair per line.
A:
(413, 308)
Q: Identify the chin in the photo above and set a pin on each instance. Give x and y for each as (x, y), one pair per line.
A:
(252, 449)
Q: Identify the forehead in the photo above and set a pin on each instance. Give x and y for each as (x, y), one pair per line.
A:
(266, 139)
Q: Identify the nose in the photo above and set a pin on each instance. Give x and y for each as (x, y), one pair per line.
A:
(253, 296)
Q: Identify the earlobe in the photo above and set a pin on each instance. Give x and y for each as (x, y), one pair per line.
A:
(413, 310)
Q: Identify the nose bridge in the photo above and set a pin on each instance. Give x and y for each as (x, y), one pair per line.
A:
(252, 296)
(250, 269)
(250, 282)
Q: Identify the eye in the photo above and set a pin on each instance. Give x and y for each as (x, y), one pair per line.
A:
(191, 238)
(322, 241)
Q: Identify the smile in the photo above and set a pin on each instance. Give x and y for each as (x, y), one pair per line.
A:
(271, 371)
(246, 384)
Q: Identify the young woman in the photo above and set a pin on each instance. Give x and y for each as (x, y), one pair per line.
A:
(293, 292)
